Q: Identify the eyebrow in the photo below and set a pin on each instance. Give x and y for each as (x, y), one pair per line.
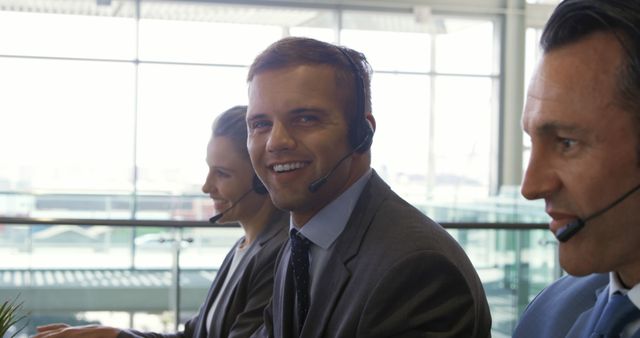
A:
(217, 167)
(256, 116)
(295, 111)
(303, 110)
(556, 126)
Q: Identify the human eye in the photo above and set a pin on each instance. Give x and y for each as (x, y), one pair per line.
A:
(259, 124)
(307, 119)
(566, 144)
(221, 173)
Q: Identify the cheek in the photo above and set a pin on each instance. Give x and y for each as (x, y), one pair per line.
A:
(255, 147)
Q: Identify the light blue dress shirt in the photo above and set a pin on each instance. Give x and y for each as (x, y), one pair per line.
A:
(324, 227)
(615, 285)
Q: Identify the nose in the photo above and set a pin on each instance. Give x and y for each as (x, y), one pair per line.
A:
(208, 185)
(280, 138)
(541, 178)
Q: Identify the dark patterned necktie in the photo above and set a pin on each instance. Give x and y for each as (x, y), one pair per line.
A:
(618, 312)
(300, 264)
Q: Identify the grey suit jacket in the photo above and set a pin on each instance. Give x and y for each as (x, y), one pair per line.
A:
(239, 312)
(392, 272)
(569, 307)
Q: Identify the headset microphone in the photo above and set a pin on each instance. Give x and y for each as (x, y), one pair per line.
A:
(316, 184)
(569, 230)
(256, 186)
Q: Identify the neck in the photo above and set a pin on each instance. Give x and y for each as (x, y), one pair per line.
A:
(253, 226)
(302, 217)
(629, 279)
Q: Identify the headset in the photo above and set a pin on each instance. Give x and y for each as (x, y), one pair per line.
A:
(360, 129)
(256, 186)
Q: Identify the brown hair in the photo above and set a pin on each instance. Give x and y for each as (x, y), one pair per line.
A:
(232, 124)
(296, 51)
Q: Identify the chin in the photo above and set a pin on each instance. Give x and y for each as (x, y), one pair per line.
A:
(576, 272)
(576, 266)
(288, 202)
(283, 205)
(223, 219)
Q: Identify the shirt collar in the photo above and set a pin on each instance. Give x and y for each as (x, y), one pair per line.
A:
(325, 226)
(615, 285)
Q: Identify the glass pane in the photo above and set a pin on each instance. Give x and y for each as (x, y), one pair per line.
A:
(462, 135)
(402, 119)
(533, 53)
(218, 43)
(66, 125)
(177, 105)
(513, 265)
(322, 34)
(91, 270)
(466, 47)
(391, 42)
(84, 36)
(64, 247)
(207, 247)
(217, 33)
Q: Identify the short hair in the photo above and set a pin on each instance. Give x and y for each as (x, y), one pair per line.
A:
(232, 124)
(297, 51)
(573, 20)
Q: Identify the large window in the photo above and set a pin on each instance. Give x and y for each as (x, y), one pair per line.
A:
(434, 89)
(118, 98)
(106, 109)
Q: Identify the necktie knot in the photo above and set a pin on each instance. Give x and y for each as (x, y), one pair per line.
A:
(299, 242)
(618, 312)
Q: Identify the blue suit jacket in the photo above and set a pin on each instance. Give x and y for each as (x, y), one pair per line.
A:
(568, 308)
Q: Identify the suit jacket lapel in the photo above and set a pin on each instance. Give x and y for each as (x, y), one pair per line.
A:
(346, 247)
(219, 316)
(325, 298)
(270, 230)
(586, 322)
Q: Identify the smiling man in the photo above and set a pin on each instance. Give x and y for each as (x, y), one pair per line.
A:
(360, 262)
(582, 114)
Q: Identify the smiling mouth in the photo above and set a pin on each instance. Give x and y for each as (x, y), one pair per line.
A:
(286, 167)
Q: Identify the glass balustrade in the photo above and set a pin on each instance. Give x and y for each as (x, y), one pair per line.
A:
(127, 277)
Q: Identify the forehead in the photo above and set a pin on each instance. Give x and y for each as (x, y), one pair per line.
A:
(294, 87)
(221, 151)
(576, 83)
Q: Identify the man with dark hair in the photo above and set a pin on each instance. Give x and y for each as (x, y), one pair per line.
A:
(582, 114)
(360, 261)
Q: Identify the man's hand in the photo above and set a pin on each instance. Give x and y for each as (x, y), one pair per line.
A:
(66, 331)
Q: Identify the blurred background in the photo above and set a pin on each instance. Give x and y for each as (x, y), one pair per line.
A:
(105, 113)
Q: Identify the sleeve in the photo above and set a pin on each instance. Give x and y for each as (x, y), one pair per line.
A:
(188, 332)
(130, 333)
(423, 295)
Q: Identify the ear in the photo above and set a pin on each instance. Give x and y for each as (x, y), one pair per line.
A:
(371, 120)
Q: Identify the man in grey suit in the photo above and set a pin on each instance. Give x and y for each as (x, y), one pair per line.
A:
(583, 117)
(360, 261)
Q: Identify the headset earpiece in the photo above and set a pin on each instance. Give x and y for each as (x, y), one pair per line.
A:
(258, 186)
(367, 138)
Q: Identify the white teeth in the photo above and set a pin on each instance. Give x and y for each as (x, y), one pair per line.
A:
(287, 166)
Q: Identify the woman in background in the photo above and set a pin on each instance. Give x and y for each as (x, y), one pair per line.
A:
(243, 285)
